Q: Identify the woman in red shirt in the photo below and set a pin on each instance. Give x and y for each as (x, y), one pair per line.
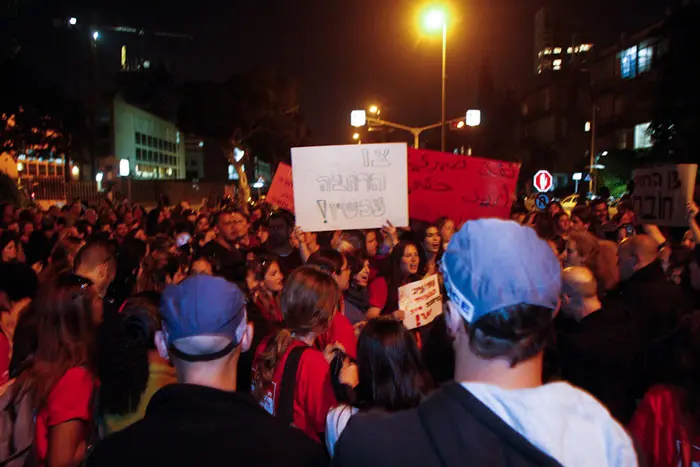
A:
(341, 330)
(403, 267)
(309, 301)
(667, 422)
(265, 281)
(61, 372)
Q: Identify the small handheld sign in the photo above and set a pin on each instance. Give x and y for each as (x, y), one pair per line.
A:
(542, 201)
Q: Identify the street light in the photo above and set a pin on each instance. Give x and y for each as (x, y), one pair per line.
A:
(95, 35)
(356, 136)
(72, 21)
(374, 110)
(434, 20)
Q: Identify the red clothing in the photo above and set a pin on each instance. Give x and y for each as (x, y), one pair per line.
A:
(70, 399)
(341, 331)
(658, 427)
(270, 309)
(4, 359)
(313, 395)
(378, 293)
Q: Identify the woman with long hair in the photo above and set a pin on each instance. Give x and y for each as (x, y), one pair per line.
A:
(357, 295)
(667, 422)
(389, 375)
(265, 281)
(446, 228)
(340, 331)
(130, 369)
(431, 249)
(403, 267)
(61, 372)
(301, 396)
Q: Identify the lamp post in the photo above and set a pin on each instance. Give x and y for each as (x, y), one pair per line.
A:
(436, 19)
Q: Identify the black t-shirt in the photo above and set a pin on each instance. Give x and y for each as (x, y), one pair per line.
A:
(231, 263)
(290, 262)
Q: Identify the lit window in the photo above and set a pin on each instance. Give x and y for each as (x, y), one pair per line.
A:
(570, 50)
(585, 47)
(587, 127)
(547, 51)
(644, 59)
(556, 64)
(628, 63)
(557, 50)
(539, 54)
(642, 136)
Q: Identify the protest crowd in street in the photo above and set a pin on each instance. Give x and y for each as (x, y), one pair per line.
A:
(229, 335)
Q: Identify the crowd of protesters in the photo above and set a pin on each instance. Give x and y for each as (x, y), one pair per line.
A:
(226, 335)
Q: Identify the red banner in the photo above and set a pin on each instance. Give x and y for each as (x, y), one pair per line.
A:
(461, 187)
(281, 190)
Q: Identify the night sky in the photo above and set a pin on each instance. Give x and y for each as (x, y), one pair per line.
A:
(347, 54)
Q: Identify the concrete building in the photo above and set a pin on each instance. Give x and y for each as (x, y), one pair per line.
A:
(138, 143)
(194, 154)
(624, 81)
(556, 49)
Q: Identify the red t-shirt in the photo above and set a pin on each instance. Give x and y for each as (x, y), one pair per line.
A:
(70, 399)
(340, 331)
(658, 427)
(4, 359)
(378, 293)
(313, 395)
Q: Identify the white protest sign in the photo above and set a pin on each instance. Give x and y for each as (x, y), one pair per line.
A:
(420, 301)
(661, 193)
(358, 186)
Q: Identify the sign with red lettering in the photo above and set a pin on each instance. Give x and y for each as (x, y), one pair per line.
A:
(460, 187)
(542, 181)
(281, 190)
(420, 301)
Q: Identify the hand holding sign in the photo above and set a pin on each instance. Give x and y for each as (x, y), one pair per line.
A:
(420, 302)
(350, 187)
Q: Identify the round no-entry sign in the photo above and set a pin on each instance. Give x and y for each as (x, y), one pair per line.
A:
(542, 181)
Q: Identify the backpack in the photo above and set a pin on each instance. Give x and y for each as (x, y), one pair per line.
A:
(16, 426)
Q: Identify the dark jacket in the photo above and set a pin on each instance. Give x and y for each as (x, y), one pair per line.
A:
(599, 354)
(191, 425)
(657, 304)
(451, 428)
(232, 266)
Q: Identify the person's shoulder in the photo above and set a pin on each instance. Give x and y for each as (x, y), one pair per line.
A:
(77, 376)
(380, 438)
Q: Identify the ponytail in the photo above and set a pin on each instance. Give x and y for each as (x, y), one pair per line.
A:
(275, 349)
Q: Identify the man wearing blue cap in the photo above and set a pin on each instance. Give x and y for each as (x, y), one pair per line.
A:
(503, 284)
(202, 421)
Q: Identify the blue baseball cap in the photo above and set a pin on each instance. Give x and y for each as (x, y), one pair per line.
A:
(204, 305)
(491, 263)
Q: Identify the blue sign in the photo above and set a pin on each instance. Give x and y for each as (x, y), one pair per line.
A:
(542, 201)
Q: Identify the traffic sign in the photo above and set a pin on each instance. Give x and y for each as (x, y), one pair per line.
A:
(542, 201)
(542, 181)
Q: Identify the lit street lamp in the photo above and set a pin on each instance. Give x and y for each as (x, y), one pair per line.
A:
(374, 110)
(434, 20)
(356, 137)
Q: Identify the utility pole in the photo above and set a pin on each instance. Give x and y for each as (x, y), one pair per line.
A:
(592, 161)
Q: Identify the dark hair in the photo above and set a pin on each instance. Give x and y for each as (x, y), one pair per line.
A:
(65, 327)
(516, 333)
(441, 221)
(395, 277)
(598, 201)
(156, 268)
(584, 213)
(229, 212)
(309, 299)
(390, 370)
(328, 260)
(287, 217)
(18, 281)
(422, 235)
(355, 263)
(7, 237)
(94, 253)
(123, 355)
(184, 227)
(554, 203)
(261, 264)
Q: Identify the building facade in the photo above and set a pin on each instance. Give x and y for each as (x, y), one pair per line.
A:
(140, 145)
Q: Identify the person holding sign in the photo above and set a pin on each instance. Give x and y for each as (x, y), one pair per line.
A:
(403, 268)
(504, 287)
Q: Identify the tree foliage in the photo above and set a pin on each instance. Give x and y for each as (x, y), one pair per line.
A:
(34, 116)
(257, 111)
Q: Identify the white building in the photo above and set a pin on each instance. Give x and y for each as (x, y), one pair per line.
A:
(151, 145)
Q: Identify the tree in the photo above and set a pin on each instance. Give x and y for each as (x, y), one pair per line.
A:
(675, 126)
(257, 111)
(35, 117)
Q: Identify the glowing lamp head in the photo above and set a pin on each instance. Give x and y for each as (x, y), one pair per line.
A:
(434, 19)
(356, 136)
(374, 110)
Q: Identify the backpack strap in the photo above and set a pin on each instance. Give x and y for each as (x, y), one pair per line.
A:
(285, 405)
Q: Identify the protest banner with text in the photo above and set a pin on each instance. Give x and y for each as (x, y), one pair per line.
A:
(358, 186)
(420, 301)
(281, 191)
(661, 193)
(460, 187)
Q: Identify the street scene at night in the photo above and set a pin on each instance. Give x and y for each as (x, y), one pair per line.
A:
(368, 233)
